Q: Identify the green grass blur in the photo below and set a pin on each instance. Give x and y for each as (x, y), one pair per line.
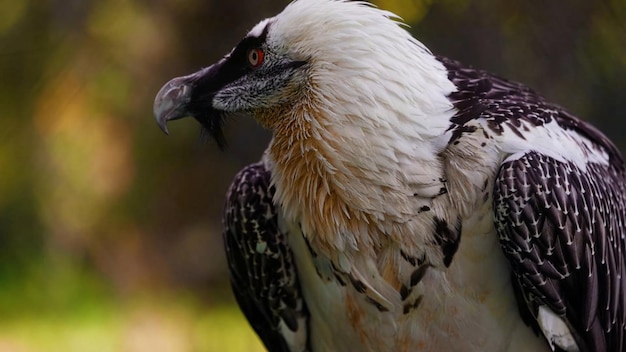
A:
(154, 325)
(73, 310)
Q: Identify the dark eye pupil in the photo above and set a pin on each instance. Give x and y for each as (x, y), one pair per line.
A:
(255, 57)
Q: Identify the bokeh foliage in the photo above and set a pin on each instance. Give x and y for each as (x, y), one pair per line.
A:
(110, 231)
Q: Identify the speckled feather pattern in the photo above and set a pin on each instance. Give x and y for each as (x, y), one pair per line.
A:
(262, 268)
(511, 110)
(563, 229)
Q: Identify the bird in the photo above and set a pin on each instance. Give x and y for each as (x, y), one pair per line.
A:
(406, 201)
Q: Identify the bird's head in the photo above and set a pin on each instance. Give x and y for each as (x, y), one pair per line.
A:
(345, 57)
(256, 75)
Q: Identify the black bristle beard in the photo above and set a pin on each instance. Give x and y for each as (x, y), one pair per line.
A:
(213, 128)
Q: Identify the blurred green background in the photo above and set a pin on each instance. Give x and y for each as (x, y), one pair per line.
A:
(110, 234)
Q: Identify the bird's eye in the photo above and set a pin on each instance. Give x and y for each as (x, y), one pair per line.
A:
(255, 57)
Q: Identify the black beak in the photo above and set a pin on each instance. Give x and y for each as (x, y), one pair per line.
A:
(192, 95)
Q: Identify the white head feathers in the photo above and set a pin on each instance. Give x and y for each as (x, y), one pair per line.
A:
(363, 62)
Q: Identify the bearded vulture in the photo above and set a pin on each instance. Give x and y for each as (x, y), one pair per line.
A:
(408, 202)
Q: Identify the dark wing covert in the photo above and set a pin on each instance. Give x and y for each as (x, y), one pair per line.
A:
(562, 229)
(262, 267)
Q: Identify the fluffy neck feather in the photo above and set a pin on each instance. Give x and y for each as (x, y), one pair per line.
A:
(354, 153)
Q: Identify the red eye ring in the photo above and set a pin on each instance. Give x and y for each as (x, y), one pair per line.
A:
(255, 57)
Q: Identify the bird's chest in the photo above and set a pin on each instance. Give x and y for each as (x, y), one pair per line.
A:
(437, 280)
(340, 319)
(468, 306)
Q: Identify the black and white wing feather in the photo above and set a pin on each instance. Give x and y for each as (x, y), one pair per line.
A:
(561, 225)
(262, 267)
(562, 229)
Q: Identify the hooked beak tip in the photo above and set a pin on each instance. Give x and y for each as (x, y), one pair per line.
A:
(163, 127)
(171, 102)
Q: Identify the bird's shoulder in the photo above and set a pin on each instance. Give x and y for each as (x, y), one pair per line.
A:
(503, 104)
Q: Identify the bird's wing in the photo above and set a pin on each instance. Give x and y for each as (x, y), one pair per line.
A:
(262, 268)
(562, 229)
